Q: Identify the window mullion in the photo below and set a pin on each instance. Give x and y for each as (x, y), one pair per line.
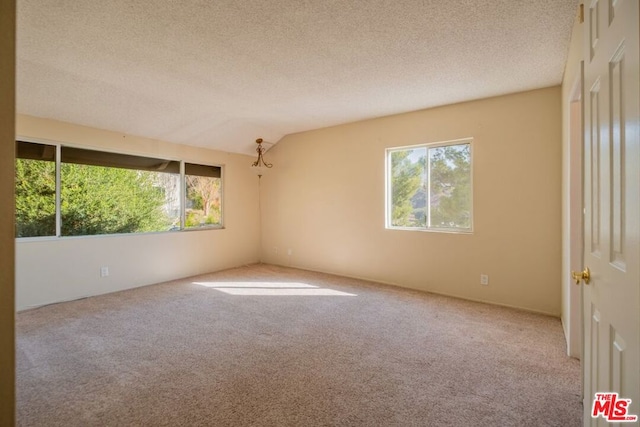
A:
(183, 196)
(388, 189)
(428, 184)
(58, 191)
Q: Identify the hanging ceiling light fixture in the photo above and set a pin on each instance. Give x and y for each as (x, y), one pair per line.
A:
(260, 166)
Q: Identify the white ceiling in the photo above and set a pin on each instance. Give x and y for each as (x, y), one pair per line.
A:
(221, 73)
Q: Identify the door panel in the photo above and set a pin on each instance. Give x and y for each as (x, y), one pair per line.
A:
(611, 302)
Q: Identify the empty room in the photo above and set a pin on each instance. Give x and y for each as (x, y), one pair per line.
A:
(361, 213)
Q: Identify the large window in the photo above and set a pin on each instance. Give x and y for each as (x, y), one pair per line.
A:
(429, 187)
(110, 193)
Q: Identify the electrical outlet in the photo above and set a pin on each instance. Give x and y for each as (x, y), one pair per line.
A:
(275, 250)
(104, 271)
(484, 279)
(289, 252)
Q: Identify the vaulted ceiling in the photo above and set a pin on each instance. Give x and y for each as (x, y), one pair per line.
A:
(219, 74)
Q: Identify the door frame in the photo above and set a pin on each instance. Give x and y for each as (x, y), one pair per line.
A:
(573, 203)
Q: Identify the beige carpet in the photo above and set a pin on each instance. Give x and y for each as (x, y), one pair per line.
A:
(270, 346)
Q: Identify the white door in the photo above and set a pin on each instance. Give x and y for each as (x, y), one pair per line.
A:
(611, 301)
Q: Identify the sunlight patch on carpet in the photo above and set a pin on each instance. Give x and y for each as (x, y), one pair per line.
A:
(272, 289)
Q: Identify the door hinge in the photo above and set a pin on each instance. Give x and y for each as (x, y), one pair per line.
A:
(581, 13)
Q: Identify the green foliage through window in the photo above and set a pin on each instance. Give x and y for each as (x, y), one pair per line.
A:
(430, 187)
(106, 200)
(407, 180)
(35, 198)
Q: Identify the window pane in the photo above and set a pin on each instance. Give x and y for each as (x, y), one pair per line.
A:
(35, 190)
(450, 186)
(203, 202)
(408, 191)
(113, 200)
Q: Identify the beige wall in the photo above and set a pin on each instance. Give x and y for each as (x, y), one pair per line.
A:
(572, 191)
(7, 307)
(324, 200)
(58, 269)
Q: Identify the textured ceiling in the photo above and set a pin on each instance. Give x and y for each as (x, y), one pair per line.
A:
(219, 74)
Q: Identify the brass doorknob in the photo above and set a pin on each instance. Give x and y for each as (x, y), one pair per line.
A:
(582, 275)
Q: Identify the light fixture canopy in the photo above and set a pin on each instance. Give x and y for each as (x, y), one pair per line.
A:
(260, 166)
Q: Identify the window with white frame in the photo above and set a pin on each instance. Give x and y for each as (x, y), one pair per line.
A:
(429, 186)
(69, 191)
